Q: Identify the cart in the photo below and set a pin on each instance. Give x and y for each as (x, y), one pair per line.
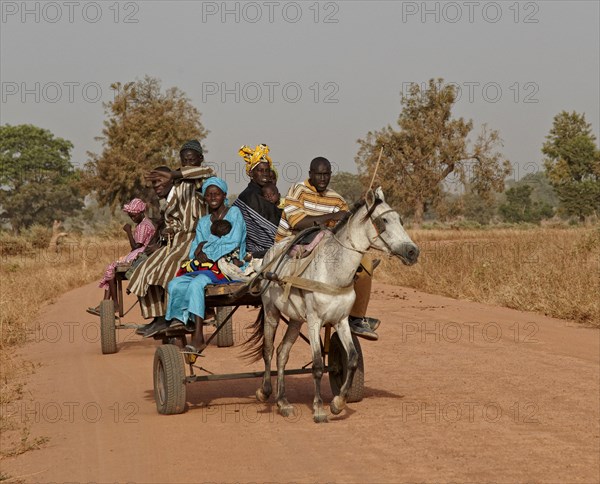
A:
(171, 361)
(111, 320)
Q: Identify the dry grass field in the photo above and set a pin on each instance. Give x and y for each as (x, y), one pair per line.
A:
(554, 271)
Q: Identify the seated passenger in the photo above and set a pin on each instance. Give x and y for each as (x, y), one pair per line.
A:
(139, 238)
(162, 188)
(186, 293)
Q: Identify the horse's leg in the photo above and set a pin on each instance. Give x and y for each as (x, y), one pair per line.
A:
(283, 354)
(314, 335)
(343, 330)
(270, 322)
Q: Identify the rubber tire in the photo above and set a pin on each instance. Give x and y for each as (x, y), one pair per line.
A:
(337, 359)
(225, 336)
(108, 331)
(169, 380)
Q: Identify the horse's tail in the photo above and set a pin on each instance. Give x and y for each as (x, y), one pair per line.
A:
(253, 346)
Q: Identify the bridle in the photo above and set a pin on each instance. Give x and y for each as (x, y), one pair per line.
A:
(377, 223)
(379, 226)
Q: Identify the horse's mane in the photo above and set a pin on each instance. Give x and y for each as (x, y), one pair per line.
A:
(355, 208)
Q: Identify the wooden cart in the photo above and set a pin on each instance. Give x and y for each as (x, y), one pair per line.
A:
(171, 360)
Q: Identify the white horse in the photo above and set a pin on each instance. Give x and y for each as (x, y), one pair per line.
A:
(372, 224)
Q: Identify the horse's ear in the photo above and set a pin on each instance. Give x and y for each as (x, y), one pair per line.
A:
(379, 194)
(370, 198)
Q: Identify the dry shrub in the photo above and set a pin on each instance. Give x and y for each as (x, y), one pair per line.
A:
(13, 245)
(552, 271)
(38, 236)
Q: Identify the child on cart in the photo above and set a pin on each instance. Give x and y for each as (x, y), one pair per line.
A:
(271, 193)
(229, 267)
(138, 240)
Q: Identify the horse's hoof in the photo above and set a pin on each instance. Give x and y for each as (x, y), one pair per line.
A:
(337, 405)
(261, 396)
(286, 411)
(320, 417)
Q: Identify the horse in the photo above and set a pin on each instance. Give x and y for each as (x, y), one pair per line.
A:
(371, 223)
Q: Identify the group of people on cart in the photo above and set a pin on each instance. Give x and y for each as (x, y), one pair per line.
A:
(201, 239)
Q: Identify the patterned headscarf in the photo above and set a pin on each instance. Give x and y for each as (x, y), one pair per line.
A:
(193, 145)
(217, 182)
(135, 206)
(253, 157)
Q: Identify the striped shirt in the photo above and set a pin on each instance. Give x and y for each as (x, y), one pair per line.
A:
(304, 200)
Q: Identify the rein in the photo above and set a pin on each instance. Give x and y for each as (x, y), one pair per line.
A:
(346, 247)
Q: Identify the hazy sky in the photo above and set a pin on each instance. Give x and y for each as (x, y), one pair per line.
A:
(307, 78)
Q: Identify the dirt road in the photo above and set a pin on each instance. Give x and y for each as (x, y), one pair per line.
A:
(455, 391)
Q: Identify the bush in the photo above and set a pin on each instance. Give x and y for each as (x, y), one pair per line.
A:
(38, 236)
(13, 245)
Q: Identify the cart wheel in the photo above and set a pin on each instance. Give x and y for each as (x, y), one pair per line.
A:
(225, 336)
(169, 380)
(108, 332)
(338, 368)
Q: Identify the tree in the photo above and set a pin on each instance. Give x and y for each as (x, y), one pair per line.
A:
(348, 185)
(542, 190)
(477, 208)
(573, 164)
(144, 128)
(429, 147)
(467, 205)
(519, 207)
(37, 179)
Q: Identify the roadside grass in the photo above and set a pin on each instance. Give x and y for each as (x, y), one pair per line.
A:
(553, 271)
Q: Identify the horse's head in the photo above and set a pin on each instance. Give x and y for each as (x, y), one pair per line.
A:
(386, 231)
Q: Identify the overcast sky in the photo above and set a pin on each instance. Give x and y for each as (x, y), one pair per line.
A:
(307, 78)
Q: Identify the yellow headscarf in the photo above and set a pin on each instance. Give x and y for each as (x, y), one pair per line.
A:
(253, 157)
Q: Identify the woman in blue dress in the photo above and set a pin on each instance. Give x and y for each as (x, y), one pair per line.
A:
(186, 293)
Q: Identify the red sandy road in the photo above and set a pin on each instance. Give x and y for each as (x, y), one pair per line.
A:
(455, 391)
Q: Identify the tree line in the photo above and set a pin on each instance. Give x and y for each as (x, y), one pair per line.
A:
(433, 166)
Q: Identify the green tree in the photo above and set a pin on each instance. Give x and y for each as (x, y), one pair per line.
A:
(573, 164)
(37, 179)
(144, 128)
(429, 146)
(543, 191)
(519, 207)
(348, 185)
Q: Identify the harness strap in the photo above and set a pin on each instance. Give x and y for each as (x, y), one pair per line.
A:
(313, 286)
(298, 271)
